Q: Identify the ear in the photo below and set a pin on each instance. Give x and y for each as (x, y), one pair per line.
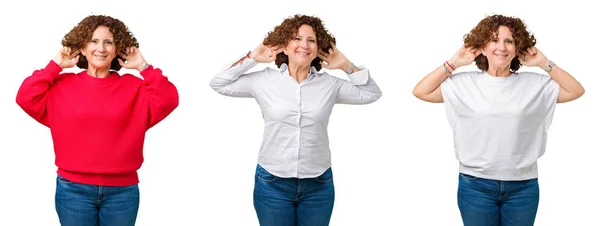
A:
(285, 51)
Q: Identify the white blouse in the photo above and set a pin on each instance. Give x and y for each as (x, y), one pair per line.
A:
(295, 141)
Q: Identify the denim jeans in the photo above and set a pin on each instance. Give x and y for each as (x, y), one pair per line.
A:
(292, 201)
(485, 202)
(82, 204)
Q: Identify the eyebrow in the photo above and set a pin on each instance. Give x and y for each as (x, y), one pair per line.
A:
(108, 39)
(307, 37)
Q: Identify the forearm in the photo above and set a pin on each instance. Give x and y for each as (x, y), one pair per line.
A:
(231, 81)
(430, 82)
(567, 82)
(361, 89)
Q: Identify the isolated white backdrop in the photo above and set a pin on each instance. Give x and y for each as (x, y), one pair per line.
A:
(393, 160)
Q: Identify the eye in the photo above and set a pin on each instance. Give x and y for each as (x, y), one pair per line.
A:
(509, 41)
(94, 41)
(109, 42)
(312, 40)
(297, 38)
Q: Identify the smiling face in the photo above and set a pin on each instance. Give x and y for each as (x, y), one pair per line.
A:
(101, 49)
(501, 50)
(303, 47)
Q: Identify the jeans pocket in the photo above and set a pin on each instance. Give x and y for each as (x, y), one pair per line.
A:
(326, 176)
(63, 180)
(468, 177)
(264, 175)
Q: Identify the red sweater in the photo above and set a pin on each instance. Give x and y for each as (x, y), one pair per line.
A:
(98, 125)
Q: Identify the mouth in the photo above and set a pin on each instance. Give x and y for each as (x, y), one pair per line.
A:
(501, 55)
(100, 56)
(303, 54)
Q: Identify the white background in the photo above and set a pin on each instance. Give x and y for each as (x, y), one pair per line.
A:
(393, 160)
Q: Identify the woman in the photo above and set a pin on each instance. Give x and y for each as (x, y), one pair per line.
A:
(499, 118)
(294, 183)
(98, 119)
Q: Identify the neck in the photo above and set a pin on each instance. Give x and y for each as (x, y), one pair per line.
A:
(499, 71)
(298, 72)
(98, 72)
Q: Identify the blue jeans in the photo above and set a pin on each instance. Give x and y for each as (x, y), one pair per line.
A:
(485, 202)
(292, 201)
(83, 204)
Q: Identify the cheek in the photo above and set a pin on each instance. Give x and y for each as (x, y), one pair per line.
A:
(288, 48)
(314, 48)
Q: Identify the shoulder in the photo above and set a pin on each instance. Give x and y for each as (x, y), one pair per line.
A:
(66, 77)
(265, 72)
(268, 71)
(536, 81)
(465, 75)
(532, 76)
(128, 77)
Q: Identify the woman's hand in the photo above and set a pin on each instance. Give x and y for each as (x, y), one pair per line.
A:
(464, 56)
(133, 59)
(66, 58)
(265, 54)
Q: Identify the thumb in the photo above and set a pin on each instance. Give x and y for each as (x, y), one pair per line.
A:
(76, 60)
(323, 65)
(121, 62)
(522, 61)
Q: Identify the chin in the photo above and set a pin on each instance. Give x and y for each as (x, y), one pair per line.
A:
(101, 65)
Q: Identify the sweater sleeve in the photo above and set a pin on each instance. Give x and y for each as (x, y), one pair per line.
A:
(33, 94)
(161, 94)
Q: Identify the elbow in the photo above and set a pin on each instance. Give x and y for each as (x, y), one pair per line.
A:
(374, 98)
(19, 101)
(371, 98)
(418, 94)
(576, 94)
(175, 100)
(174, 104)
(172, 99)
(22, 101)
(581, 92)
(215, 85)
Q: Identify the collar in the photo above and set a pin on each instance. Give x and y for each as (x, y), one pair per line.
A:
(312, 71)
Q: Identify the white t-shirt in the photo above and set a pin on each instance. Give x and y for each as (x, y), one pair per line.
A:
(499, 123)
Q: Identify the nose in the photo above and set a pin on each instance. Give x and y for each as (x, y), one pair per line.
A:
(502, 46)
(304, 44)
(100, 48)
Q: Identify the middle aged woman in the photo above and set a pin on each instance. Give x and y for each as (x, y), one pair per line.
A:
(294, 181)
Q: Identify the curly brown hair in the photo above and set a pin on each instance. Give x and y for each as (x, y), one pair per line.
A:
(81, 34)
(288, 29)
(487, 29)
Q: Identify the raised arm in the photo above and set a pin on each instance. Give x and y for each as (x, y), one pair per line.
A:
(570, 88)
(231, 81)
(428, 89)
(361, 89)
(161, 94)
(32, 96)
